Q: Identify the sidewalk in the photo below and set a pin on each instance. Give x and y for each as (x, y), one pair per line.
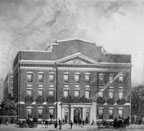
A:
(66, 127)
(135, 126)
(74, 128)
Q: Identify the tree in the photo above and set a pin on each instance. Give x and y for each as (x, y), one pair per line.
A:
(9, 107)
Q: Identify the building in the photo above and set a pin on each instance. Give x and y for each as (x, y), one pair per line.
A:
(76, 80)
(8, 87)
(137, 104)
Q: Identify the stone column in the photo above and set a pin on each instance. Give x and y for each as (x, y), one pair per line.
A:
(63, 112)
(72, 113)
(84, 114)
(93, 112)
(59, 111)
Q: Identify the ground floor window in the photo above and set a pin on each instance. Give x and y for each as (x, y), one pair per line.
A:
(87, 117)
(29, 112)
(111, 113)
(100, 113)
(76, 93)
(65, 93)
(40, 112)
(51, 113)
(66, 116)
(87, 94)
(120, 113)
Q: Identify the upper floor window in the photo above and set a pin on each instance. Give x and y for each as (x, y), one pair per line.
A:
(87, 77)
(40, 77)
(87, 94)
(66, 77)
(120, 95)
(29, 77)
(12, 94)
(29, 92)
(65, 93)
(111, 78)
(111, 94)
(101, 77)
(111, 87)
(51, 77)
(111, 113)
(100, 93)
(76, 77)
(40, 111)
(120, 113)
(51, 93)
(121, 87)
(40, 92)
(100, 113)
(121, 78)
(76, 93)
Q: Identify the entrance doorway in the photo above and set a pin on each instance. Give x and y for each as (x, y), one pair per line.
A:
(77, 116)
(66, 116)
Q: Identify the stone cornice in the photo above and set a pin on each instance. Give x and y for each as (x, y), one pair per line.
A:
(112, 65)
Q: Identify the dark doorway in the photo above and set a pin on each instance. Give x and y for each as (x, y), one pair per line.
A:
(66, 117)
(77, 114)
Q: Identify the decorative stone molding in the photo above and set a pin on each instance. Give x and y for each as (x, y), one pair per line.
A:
(100, 100)
(34, 103)
(121, 101)
(110, 101)
(71, 99)
(50, 99)
(28, 99)
(40, 99)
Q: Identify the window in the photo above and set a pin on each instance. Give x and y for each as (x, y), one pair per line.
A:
(29, 92)
(120, 95)
(111, 112)
(76, 78)
(111, 87)
(40, 92)
(29, 112)
(66, 78)
(110, 94)
(120, 113)
(40, 111)
(121, 87)
(100, 93)
(87, 78)
(51, 77)
(101, 77)
(66, 116)
(29, 77)
(87, 94)
(76, 93)
(111, 78)
(51, 113)
(40, 77)
(51, 93)
(66, 93)
(12, 94)
(121, 78)
(100, 113)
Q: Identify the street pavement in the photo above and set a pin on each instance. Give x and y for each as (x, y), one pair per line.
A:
(13, 127)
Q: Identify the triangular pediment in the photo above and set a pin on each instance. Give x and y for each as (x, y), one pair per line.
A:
(77, 58)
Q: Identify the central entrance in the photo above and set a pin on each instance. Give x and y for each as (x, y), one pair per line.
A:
(77, 115)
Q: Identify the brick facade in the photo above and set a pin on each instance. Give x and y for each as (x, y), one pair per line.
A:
(137, 104)
(72, 100)
(8, 87)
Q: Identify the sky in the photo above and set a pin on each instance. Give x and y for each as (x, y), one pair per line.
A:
(117, 25)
